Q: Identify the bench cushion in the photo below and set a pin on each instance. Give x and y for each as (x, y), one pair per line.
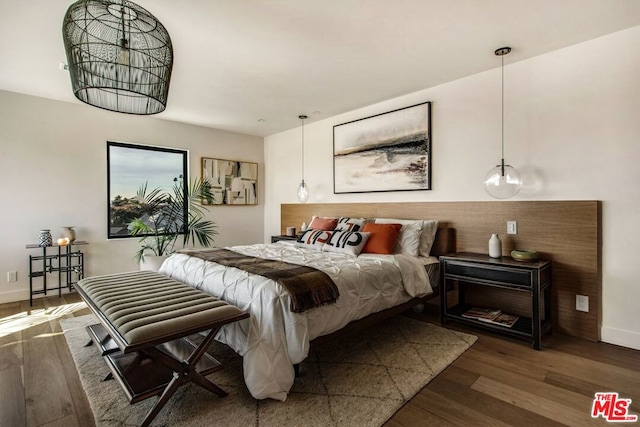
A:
(146, 307)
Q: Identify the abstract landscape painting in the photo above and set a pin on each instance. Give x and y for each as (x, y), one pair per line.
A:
(387, 152)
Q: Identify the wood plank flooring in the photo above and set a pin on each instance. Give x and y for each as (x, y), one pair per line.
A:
(498, 382)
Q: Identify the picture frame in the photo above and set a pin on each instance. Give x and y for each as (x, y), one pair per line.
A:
(386, 152)
(129, 167)
(233, 182)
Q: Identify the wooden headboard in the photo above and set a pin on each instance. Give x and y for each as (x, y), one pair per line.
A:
(569, 233)
(444, 241)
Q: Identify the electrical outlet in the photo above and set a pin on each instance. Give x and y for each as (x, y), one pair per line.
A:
(582, 303)
(512, 227)
(12, 276)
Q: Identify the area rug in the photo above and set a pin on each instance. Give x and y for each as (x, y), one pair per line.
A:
(361, 380)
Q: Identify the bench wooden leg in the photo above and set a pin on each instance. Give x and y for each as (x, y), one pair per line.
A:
(183, 373)
(175, 383)
(208, 385)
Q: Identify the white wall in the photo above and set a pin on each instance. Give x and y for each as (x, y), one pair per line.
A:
(53, 173)
(572, 127)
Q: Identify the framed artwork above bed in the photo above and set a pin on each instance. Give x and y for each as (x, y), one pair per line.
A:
(232, 182)
(386, 152)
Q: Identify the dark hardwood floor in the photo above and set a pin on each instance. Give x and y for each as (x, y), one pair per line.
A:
(499, 381)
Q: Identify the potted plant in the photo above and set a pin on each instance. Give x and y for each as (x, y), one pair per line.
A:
(161, 222)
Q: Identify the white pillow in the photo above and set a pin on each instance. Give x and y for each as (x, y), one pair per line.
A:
(429, 228)
(409, 238)
(350, 242)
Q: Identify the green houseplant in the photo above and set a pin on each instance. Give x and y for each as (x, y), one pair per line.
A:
(161, 222)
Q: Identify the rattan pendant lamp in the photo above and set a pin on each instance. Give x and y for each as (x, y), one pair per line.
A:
(303, 189)
(119, 56)
(502, 181)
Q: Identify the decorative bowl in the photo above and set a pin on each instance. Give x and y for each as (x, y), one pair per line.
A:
(523, 255)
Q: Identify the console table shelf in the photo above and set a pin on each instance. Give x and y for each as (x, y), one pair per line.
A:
(522, 328)
(63, 260)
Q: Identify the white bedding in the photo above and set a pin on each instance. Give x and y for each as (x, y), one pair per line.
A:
(273, 339)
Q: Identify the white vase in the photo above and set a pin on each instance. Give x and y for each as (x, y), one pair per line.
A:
(68, 233)
(495, 246)
(152, 262)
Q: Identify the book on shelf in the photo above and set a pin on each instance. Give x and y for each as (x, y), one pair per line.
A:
(503, 319)
(481, 313)
(490, 315)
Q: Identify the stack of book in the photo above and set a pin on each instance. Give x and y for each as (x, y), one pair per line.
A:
(489, 315)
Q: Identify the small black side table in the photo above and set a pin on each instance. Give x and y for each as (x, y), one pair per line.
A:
(61, 259)
(533, 278)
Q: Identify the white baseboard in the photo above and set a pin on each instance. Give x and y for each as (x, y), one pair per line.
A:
(14, 296)
(23, 295)
(620, 337)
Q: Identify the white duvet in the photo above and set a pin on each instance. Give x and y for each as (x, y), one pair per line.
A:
(273, 339)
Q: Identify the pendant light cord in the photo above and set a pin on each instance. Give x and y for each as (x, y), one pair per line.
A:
(502, 52)
(502, 57)
(302, 117)
(502, 159)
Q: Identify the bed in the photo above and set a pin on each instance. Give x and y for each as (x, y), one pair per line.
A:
(275, 338)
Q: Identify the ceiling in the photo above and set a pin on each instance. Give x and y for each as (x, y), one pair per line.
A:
(252, 66)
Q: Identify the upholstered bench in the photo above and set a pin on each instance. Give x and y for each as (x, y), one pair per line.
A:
(145, 321)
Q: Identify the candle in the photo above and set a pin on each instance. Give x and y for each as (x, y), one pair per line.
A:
(63, 241)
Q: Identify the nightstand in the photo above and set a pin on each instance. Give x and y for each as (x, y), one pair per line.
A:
(282, 237)
(500, 274)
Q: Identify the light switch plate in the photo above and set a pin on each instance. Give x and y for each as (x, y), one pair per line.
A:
(512, 227)
(582, 303)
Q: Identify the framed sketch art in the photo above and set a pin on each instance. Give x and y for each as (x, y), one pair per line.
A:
(232, 182)
(386, 152)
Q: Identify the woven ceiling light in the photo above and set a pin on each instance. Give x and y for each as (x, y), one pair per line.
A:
(119, 55)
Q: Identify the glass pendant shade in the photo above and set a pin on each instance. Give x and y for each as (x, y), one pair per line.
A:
(119, 56)
(303, 192)
(502, 182)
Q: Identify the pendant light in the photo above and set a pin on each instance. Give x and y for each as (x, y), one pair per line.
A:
(119, 56)
(503, 181)
(303, 189)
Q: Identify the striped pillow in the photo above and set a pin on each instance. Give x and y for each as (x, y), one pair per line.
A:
(350, 224)
(313, 239)
(350, 242)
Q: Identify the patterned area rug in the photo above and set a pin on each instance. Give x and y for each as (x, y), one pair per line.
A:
(361, 380)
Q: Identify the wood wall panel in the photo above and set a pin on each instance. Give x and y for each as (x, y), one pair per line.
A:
(566, 232)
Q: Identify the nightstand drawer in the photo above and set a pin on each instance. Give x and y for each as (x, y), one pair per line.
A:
(275, 239)
(502, 275)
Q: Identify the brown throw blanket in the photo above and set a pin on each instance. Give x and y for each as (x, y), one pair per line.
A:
(308, 287)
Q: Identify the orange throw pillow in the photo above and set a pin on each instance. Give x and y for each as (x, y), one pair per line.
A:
(325, 224)
(382, 239)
